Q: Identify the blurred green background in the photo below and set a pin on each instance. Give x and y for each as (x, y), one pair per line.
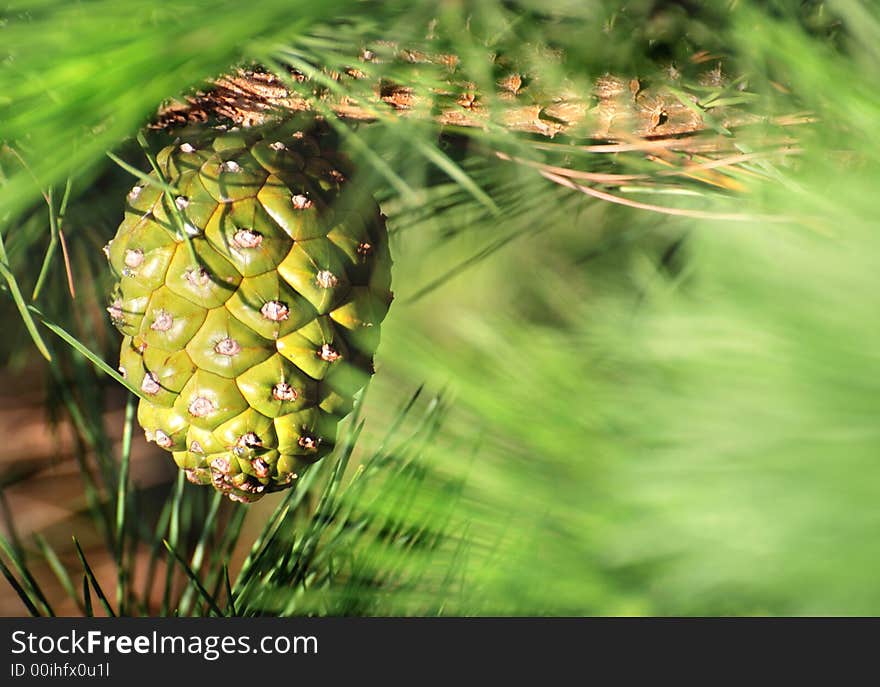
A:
(579, 408)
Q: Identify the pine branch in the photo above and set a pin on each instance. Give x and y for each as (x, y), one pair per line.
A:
(616, 108)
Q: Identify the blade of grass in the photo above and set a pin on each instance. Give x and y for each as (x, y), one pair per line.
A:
(33, 587)
(93, 580)
(68, 270)
(194, 580)
(173, 538)
(155, 547)
(399, 418)
(56, 236)
(307, 545)
(291, 502)
(223, 550)
(436, 156)
(121, 510)
(199, 553)
(230, 599)
(28, 604)
(50, 250)
(87, 598)
(262, 541)
(83, 350)
(170, 193)
(60, 571)
(143, 176)
(9, 521)
(17, 297)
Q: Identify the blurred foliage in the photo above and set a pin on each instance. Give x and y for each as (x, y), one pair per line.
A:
(620, 412)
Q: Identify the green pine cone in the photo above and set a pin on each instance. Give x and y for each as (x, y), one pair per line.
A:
(251, 354)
